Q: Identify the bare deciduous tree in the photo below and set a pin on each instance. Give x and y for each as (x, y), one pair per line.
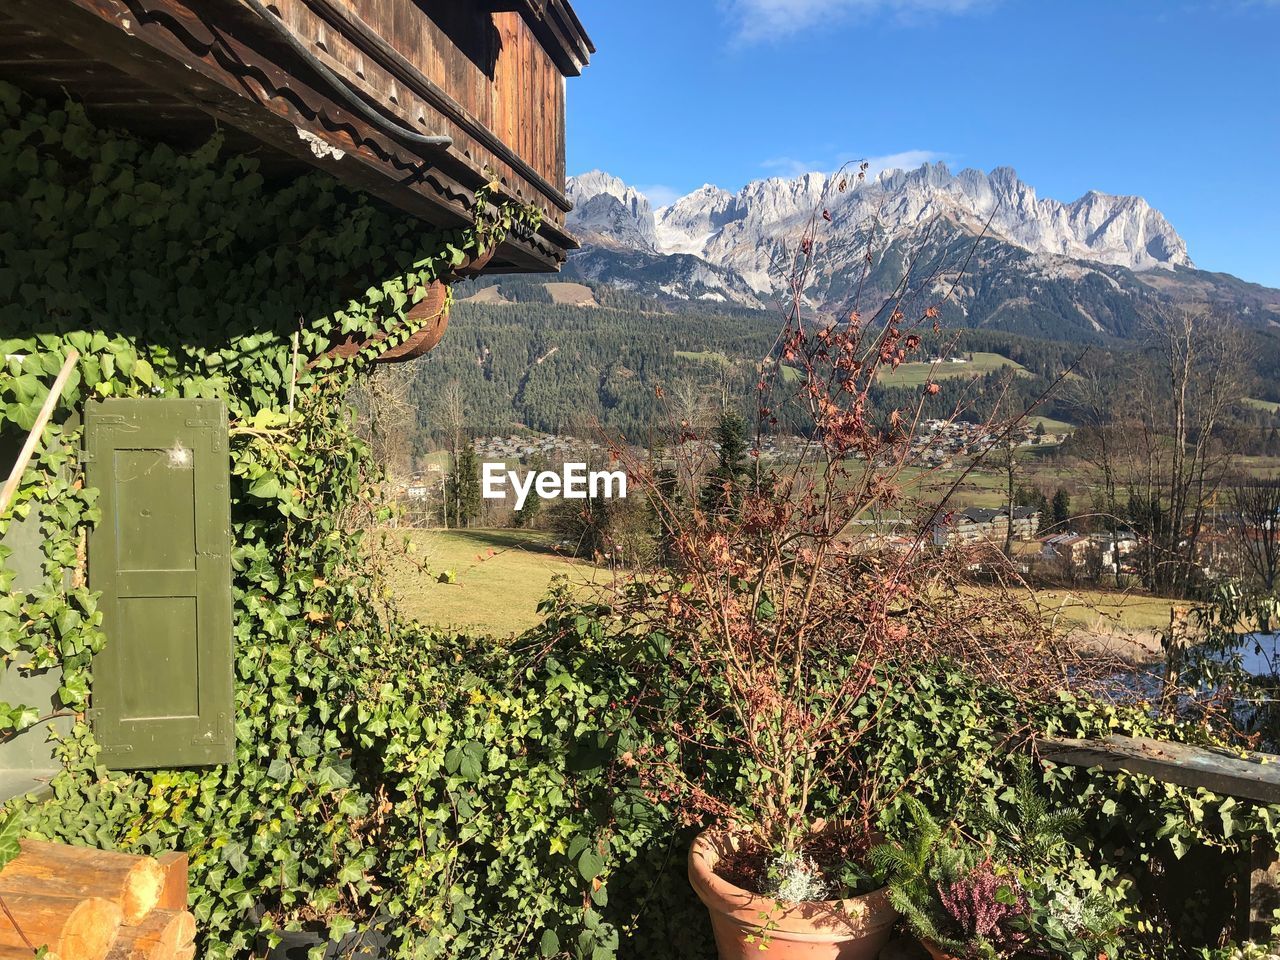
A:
(384, 400)
(1092, 395)
(1009, 464)
(449, 415)
(1152, 426)
(694, 407)
(1173, 462)
(1255, 526)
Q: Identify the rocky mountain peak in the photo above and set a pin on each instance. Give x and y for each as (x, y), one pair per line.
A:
(595, 182)
(607, 212)
(746, 236)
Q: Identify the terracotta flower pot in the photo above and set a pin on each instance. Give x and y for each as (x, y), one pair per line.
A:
(853, 929)
(936, 951)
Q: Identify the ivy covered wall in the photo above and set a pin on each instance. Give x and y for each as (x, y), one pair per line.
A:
(188, 275)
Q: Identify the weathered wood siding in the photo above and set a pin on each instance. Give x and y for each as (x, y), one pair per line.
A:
(456, 69)
(528, 95)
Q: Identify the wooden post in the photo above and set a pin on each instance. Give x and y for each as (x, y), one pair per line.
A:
(37, 430)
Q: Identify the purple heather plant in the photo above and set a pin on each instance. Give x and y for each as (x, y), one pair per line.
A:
(984, 906)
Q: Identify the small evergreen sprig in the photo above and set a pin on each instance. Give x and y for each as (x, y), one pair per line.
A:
(1033, 833)
(917, 872)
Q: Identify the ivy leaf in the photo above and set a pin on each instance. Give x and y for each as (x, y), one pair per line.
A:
(339, 927)
(765, 609)
(576, 846)
(235, 855)
(25, 717)
(335, 776)
(266, 487)
(550, 943)
(470, 768)
(590, 864)
(453, 760)
(10, 830)
(25, 387)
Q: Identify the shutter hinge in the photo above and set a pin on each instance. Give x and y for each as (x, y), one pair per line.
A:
(214, 735)
(94, 717)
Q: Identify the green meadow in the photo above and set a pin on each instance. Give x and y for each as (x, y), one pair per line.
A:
(479, 581)
(917, 374)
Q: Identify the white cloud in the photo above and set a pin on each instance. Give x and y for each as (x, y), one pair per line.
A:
(906, 160)
(660, 195)
(761, 20)
(903, 160)
(791, 167)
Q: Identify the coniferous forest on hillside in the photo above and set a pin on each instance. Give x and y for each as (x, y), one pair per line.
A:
(629, 365)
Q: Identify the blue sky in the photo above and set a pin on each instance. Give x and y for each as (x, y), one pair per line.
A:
(1176, 101)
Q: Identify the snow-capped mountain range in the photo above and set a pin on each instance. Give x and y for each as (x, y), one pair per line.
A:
(733, 247)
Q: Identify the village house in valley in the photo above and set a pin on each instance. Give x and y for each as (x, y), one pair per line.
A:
(975, 525)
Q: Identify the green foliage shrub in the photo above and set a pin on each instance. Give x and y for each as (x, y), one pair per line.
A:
(1131, 825)
(955, 744)
(188, 275)
(1050, 896)
(512, 825)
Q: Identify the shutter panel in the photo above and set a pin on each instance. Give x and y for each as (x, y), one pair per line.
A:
(161, 556)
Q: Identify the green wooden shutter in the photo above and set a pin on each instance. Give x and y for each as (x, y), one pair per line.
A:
(161, 556)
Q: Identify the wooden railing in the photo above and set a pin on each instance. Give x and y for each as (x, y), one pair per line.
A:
(1243, 774)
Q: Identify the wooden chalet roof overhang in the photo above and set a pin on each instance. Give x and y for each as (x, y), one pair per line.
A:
(488, 75)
